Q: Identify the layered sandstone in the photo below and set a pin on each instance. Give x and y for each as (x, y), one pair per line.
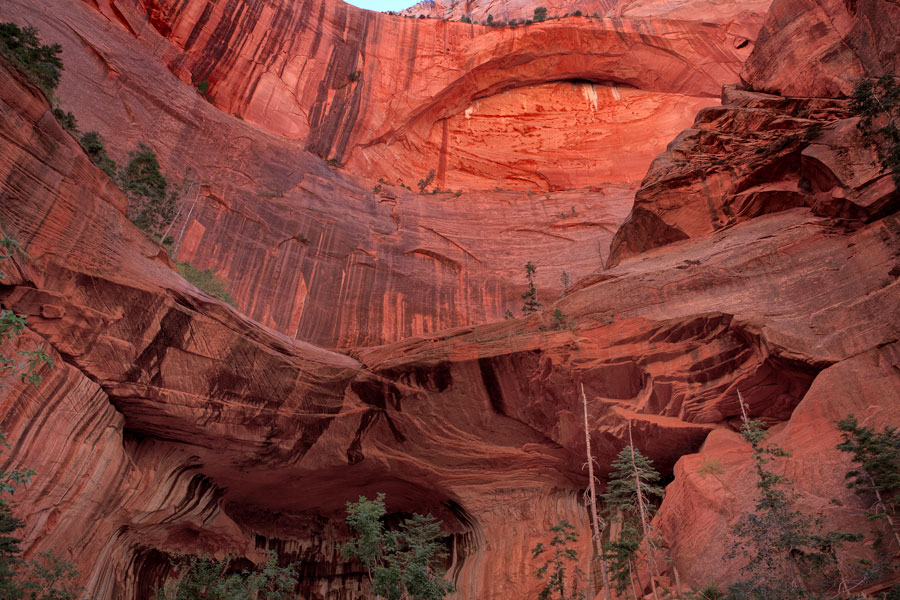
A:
(761, 153)
(264, 214)
(379, 94)
(173, 423)
(823, 47)
(740, 16)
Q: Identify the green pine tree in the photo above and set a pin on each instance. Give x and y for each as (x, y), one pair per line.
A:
(786, 555)
(205, 578)
(878, 474)
(531, 304)
(628, 502)
(404, 564)
(555, 565)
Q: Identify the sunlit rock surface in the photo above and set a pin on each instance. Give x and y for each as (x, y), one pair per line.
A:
(368, 351)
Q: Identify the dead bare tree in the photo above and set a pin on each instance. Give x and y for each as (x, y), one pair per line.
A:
(597, 524)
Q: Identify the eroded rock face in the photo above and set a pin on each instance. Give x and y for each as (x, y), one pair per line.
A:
(741, 16)
(379, 94)
(186, 426)
(757, 154)
(823, 47)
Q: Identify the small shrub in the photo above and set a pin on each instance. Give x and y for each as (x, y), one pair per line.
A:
(710, 592)
(490, 20)
(93, 146)
(333, 163)
(878, 103)
(558, 320)
(465, 19)
(781, 144)
(355, 75)
(202, 87)
(207, 280)
(424, 183)
(813, 132)
(67, 120)
(577, 13)
(711, 466)
(151, 206)
(40, 63)
(540, 14)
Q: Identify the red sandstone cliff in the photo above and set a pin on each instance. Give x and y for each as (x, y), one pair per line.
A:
(379, 267)
(174, 423)
(740, 16)
(394, 98)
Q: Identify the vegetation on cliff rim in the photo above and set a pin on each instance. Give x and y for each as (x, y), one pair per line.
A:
(151, 206)
(40, 63)
(878, 103)
(96, 151)
(207, 280)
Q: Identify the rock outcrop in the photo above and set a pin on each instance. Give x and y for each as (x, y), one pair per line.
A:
(763, 152)
(821, 48)
(371, 354)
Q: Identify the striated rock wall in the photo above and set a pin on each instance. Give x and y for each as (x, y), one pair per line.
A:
(174, 423)
(308, 250)
(374, 92)
(760, 152)
(256, 440)
(740, 16)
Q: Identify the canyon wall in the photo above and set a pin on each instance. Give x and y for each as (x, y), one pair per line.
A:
(377, 93)
(762, 255)
(320, 256)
